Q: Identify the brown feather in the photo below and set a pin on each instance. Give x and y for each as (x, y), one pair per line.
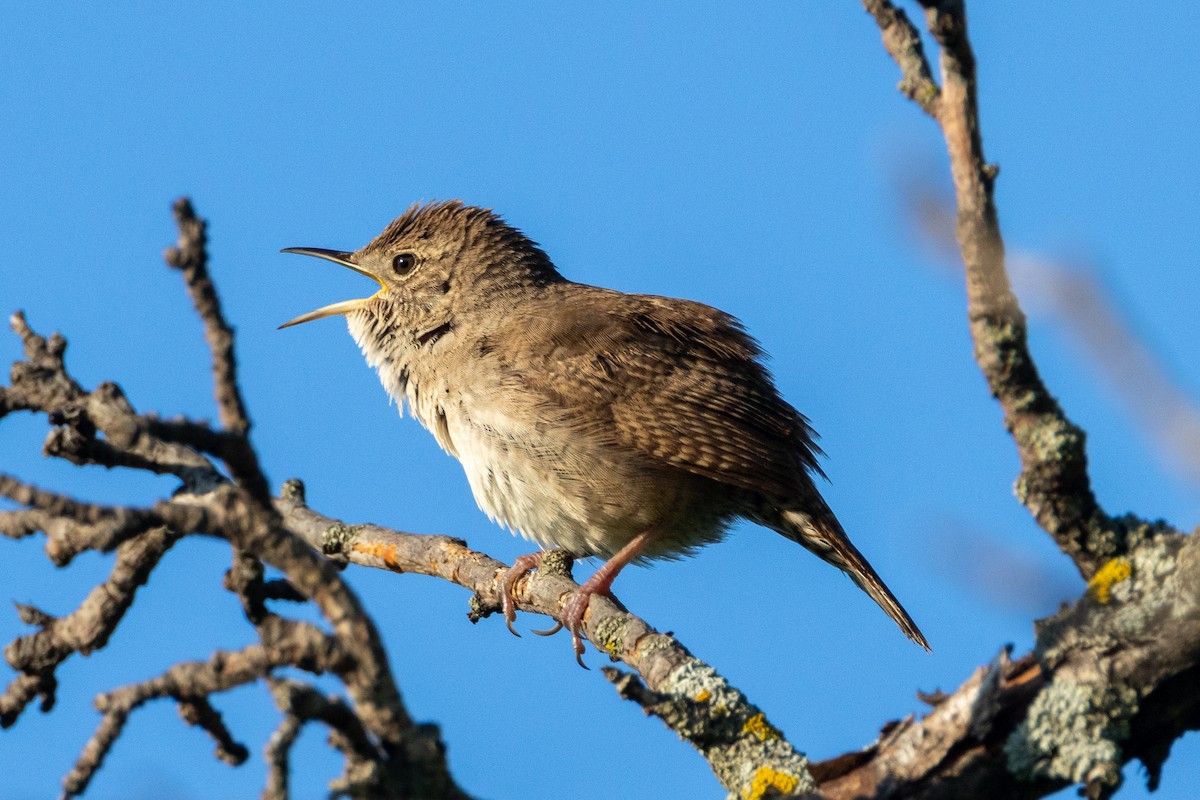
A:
(675, 381)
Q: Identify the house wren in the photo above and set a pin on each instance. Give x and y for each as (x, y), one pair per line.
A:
(626, 426)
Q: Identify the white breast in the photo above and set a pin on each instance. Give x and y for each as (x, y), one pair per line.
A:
(526, 472)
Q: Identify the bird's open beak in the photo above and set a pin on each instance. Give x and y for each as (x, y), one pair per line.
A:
(344, 307)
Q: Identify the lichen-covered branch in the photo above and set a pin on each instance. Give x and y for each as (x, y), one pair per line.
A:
(1054, 482)
(1109, 676)
(1115, 676)
(750, 757)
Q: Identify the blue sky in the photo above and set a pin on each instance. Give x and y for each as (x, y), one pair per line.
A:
(747, 156)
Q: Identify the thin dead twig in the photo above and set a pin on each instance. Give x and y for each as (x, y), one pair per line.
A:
(190, 256)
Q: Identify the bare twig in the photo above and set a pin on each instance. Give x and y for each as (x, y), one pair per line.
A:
(190, 684)
(199, 712)
(190, 256)
(41, 384)
(277, 754)
(71, 526)
(302, 704)
(83, 631)
(903, 42)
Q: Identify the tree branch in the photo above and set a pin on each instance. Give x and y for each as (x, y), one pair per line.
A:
(903, 42)
(1054, 483)
(747, 753)
(190, 256)
(1113, 677)
(85, 630)
(301, 704)
(1121, 663)
(1114, 662)
(406, 759)
(190, 684)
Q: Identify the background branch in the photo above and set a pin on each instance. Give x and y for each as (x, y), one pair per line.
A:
(1101, 668)
(1054, 483)
(190, 256)
(405, 759)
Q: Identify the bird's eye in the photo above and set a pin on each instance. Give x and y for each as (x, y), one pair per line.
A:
(404, 263)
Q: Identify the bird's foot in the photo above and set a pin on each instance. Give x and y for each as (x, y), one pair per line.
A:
(573, 611)
(576, 607)
(572, 616)
(508, 584)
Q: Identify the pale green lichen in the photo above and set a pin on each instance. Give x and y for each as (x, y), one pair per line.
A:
(694, 677)
(1073, 732)
(654, 641)
(293, 489)
(747, 752)
(556, 562)
(1127, 596)
(1076, 728)
(338, 537)
(610, 633)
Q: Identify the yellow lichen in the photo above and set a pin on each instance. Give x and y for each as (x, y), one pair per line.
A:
(766, 778)
(759, 726)
(1112, 573)
(703, 695)
(610, 635)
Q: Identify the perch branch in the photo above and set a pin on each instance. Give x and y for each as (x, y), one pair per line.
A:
(745, 751)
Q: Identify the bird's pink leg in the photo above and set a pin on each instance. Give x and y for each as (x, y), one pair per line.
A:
(520, 568)
(600, 583)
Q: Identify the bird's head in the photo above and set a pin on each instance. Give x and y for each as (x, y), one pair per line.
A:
(436, 257)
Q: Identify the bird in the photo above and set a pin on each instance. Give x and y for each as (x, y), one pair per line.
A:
(628, 427)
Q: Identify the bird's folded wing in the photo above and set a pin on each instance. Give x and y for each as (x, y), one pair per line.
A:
(675, 381)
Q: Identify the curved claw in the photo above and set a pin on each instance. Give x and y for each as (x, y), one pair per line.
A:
(572, 618)
(520, 568)
(510, 614)
(558, 626)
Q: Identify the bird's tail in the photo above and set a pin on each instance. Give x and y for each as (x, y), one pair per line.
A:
(822, 534)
